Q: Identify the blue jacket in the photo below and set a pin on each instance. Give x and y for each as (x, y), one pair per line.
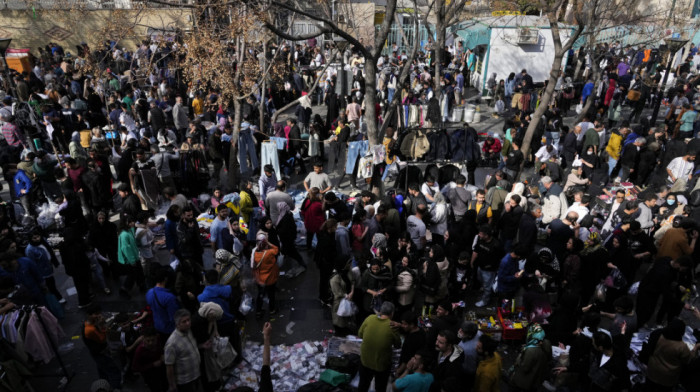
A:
(507, 282)
(22, 182)
(587, 91)
(171, 234)
(220, 295)
(164, 305)
(41, 258)
(28, 276)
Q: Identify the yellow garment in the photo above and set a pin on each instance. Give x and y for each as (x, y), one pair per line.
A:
(389, 158)
(337, 130)
(489, 213)
(614, 147)
(198, 106)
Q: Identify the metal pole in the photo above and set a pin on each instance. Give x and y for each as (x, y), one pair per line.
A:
(660, 94)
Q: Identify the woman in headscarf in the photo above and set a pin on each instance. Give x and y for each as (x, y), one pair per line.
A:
(266, 227)
(544, 267)
(324, 258)
(76, 150)
(571, 268)
(287, 233)
(204, 330)
(438, 219)
(342, 287)
(375, 281)
(593, 258)
(266, 272)
(313, 215)
(531, 366)
(618, 270)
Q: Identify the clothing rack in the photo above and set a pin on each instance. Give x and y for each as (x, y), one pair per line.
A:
(64, 370)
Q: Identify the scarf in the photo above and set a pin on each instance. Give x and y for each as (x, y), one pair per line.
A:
(282, 210)
(535, 335)
(592, 248)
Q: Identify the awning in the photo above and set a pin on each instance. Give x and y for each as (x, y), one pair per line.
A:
(473, 35)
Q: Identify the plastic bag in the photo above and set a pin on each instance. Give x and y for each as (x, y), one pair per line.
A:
(579, 108)
(346, 308)
(246, 303)
(224, 352)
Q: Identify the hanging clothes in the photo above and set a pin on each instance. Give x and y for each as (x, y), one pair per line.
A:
(413, 119)
(415, 144)
(268, 155)
(439, 146)
(246, 150)
(37, 342)
(378, 154)
(366, 166)
(355, 150)
(280, 142)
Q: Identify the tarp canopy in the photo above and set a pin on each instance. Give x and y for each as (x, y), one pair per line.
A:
(472, 34)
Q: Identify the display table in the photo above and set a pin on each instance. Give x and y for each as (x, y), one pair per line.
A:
(514, 324)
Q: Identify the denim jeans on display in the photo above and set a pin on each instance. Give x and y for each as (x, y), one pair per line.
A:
(355, 149)
(268, 155)
(246, 149)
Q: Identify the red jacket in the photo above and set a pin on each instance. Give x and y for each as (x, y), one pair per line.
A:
(313, 215)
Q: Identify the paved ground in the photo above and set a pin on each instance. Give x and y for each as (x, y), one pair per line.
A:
(297, 298)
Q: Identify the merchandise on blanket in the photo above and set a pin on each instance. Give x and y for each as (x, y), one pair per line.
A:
(48, 216)
(291, 366)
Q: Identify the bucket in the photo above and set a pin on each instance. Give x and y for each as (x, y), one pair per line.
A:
(469, 115)
(457, 114)
(477, 117)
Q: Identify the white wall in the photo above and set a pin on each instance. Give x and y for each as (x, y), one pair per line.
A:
(507, 56)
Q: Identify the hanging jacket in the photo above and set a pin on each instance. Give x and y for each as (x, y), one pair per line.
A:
(457, 144)
(472, 149)
(439, 146)
(415, 145)
(433, 110)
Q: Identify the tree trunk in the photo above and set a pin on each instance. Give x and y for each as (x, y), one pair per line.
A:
(234, 168)
(596, 76)
(370, 100)
(439, 45)
(544, 102)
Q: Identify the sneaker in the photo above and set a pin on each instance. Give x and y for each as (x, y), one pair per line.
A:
(108, 291)
(84, 306)
(480, 304)
(273, 312)
(62, 301)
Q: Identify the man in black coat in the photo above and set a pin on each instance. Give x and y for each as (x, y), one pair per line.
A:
(527, 230)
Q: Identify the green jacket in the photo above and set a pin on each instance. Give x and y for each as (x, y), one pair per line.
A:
(377, 341)
(532, 366)
(128, 250)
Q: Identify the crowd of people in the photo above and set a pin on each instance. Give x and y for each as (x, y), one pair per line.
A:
(600, 230)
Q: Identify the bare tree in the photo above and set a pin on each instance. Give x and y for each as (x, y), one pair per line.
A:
(324, 15)
(447, 13)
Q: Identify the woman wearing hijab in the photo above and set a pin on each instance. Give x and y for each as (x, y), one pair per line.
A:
(76, 150)
(618, 271)
(531, 366)
(267, 228)
(313, 215)
(375, 281)
(287, 233)
(266, 272)
(594, 257)
(342, 287)
(324, 258)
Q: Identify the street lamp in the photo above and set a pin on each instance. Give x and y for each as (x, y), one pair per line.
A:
(4, 44)
(674, 44)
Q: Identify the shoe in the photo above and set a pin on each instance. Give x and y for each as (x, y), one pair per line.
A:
(84, 306)
(273, 312)
(62, 301)
(480, 304)
(108, 291)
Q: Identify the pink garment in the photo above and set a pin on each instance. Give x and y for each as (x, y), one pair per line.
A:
(37, 339)
(287, 129)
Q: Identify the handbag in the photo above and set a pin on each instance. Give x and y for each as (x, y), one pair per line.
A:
(615, 279)
(230, 271)
(634, 95)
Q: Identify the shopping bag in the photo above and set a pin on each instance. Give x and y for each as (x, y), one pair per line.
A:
(334, 378)
(346, 308)
(225, 354)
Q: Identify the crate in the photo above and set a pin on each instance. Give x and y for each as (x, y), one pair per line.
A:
(509, 333)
